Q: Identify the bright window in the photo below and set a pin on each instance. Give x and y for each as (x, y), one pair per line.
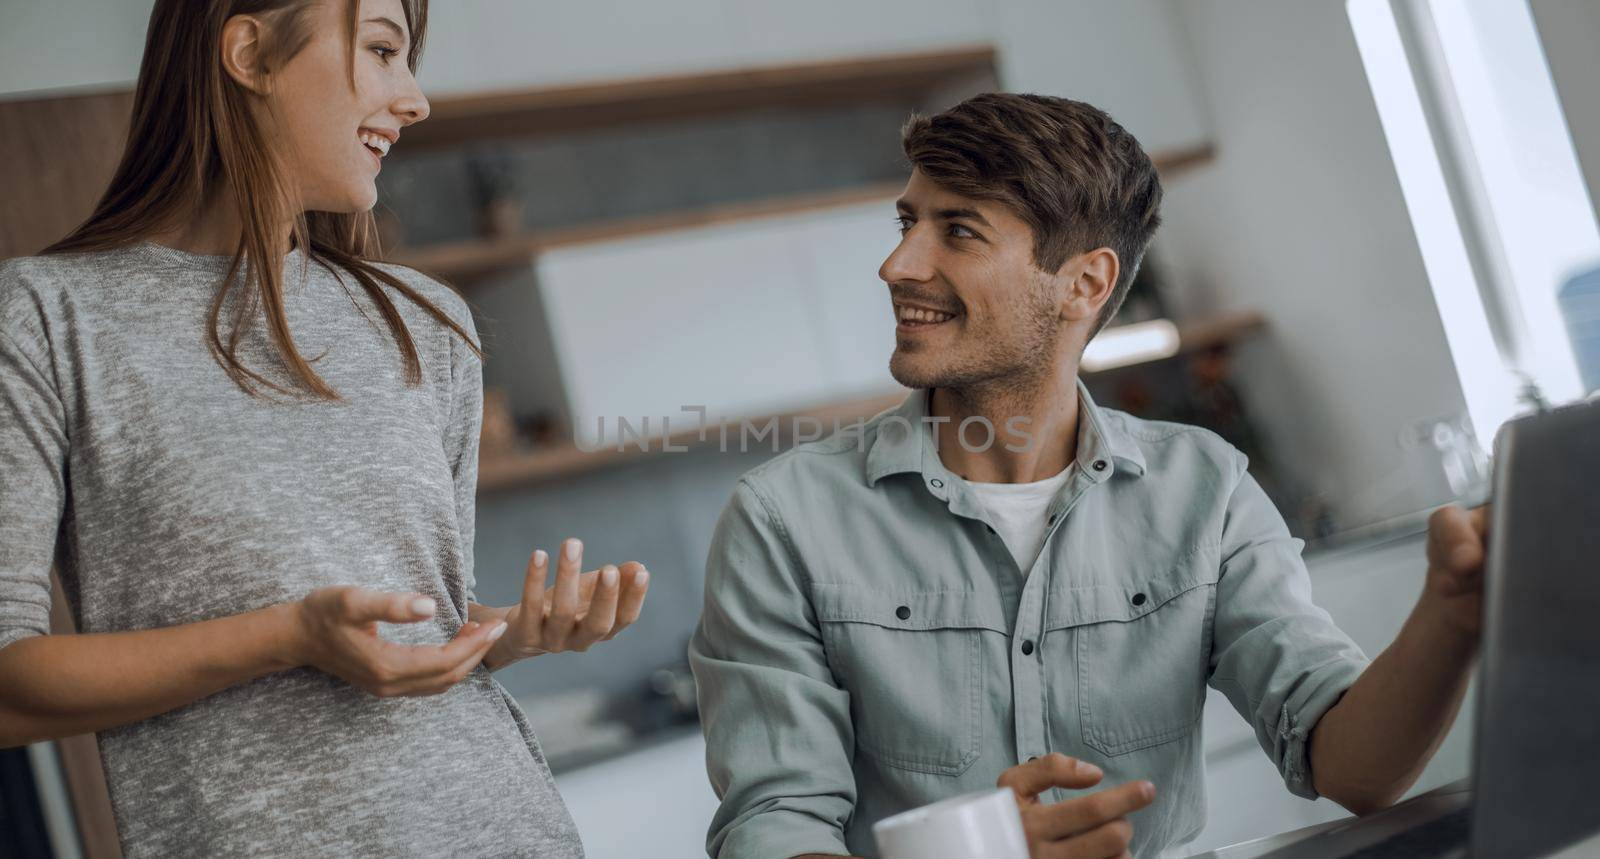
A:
(1489, 175)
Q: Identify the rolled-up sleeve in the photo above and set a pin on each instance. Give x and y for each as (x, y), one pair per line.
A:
(778, 734)
(33, 455)
(1277, 656)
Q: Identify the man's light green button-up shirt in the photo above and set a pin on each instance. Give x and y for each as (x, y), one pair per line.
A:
(868, 644)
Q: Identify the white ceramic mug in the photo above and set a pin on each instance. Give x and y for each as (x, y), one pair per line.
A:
(983, 825)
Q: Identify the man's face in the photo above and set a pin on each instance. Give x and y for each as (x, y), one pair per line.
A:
(971, 306)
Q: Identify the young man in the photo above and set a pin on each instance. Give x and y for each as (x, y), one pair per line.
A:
(999, 581)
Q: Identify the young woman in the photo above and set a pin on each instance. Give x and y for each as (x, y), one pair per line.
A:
(234, 523)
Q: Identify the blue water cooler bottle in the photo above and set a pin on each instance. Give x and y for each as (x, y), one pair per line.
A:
(1580, 304)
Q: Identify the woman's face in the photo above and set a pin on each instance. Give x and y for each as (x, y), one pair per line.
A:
(334, 139)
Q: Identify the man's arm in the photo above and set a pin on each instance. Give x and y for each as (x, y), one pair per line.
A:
(1278, 657)
(778, 733)
(1370, 747)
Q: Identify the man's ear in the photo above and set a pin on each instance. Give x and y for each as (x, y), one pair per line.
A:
(1093, 277)
(242, 52)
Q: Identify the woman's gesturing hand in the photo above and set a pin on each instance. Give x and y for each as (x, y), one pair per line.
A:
(581, 610)
(338, 633)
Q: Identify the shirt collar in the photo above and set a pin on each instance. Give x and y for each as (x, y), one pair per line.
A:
(902, 444)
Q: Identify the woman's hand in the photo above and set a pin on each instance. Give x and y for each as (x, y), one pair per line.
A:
(580, 611)
(337, 632)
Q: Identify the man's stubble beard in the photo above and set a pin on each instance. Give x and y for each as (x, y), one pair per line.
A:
(991, 364)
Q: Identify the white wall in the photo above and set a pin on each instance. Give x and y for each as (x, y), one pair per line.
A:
(70, 43)
(1078, 48)
(476, 45)
(1570, 31)
(1302, 218)
(492, 44)
(1129, 58)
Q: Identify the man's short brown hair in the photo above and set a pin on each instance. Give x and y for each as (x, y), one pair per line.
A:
(1067, 169)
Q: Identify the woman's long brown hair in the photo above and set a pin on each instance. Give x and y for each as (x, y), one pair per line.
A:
(192, 133)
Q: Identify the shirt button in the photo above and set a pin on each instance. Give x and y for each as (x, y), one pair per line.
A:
(1027, 648)
(936, 483)
(1138, 599)
(1099, 465)
(1032, 758)
(904, 612)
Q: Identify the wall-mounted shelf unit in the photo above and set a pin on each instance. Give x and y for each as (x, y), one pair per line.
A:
(497, 473)
(465, 262)
(556, 110)
(593, 113)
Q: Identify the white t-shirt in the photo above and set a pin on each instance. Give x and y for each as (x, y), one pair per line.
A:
(1018, 512)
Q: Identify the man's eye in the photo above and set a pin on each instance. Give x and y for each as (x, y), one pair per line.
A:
(959, 232)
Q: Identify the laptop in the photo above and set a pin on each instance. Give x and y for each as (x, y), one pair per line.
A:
(1536, 740)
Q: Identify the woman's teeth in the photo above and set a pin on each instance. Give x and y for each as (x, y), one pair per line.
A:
(918, 316)
(377, 143)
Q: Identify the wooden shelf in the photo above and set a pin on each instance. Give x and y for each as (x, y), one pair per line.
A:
(466, 261)
(1219, 330)
(507, 471)
(502, 472)
(554, 110)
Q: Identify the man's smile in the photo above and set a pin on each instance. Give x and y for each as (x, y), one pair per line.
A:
(912, 317)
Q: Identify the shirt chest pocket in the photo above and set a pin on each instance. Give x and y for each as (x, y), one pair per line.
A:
(912, 661)
(1143, 647)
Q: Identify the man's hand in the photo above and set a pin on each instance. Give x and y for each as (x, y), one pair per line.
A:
(1370, 747)
(580, 611)
(1087, 827)
(1457, 547)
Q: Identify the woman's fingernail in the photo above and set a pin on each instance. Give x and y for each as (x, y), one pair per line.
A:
(574, 549)
(642, 577)
(422, 605)
(609, 576)
(1148, 790)
(540, 558)
(499, 630)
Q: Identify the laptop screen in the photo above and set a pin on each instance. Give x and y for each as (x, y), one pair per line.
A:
(1537, 746)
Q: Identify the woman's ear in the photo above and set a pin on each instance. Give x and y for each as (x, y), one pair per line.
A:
(242, 52)
(1093, 277)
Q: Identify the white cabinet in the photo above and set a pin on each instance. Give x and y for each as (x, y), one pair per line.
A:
(841, 250)
(478, 46)
(767, 315)
(656, 802)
